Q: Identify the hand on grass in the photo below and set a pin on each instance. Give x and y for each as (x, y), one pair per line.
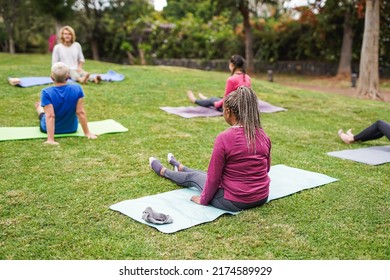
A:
(52, 142)
(196, 199)
(91, 136)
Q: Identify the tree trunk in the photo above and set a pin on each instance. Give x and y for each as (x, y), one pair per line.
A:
(142, 56)
(11, 44)
(130, 57)
(58, 26)
(95, 49)
(248, 37)
(368, 82)
(344, 69)
(9, 26)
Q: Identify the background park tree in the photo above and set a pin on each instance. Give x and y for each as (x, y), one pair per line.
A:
(90, 15)
(59, 10)
(10, 11)
(246, 8)
(368, 82)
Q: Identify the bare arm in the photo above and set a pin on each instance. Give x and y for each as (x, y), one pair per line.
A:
(81, 64)
(82, 115)
(50, 124)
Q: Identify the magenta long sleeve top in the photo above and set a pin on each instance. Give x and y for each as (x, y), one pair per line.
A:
(232, 83)
(242, 174)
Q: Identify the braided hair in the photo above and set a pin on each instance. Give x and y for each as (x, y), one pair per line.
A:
(239, 63)
(244, 105)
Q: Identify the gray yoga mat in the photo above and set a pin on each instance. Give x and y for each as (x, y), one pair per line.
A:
(372, 155)
(199, 111)
(285, 181)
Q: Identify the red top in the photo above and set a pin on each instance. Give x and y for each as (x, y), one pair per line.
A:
(242, 175)
(232, 83)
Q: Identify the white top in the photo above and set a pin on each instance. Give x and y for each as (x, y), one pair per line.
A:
(71, 55)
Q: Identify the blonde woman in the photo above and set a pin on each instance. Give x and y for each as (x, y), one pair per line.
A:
(69, 51)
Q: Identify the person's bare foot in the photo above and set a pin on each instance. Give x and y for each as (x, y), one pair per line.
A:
(346, 137)
(14, 81)
(191, 96)
(38, 107)
(97, 79)
(84, 79)
(349, 132)
(201, 96)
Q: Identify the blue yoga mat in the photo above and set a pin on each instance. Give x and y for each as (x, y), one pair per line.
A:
(110, 76)
(285, 181)
(372, 155)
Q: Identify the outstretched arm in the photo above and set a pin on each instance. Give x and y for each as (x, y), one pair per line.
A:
(82, 115)
(50, 124)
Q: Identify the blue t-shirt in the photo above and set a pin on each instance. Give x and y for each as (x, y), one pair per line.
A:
(64, 100)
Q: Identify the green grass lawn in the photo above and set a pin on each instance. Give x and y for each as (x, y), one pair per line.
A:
(54, 201)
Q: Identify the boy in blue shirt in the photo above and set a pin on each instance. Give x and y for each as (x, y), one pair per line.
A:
(62, 106)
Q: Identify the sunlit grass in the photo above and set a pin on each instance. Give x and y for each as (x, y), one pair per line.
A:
(54, 201)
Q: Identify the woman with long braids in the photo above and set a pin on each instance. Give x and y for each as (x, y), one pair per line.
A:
(237, 176)
(237, 78)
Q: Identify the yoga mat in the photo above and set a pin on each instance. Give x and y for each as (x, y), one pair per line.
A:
(373, 155)
(285, 181)
(97, 127)
(110, 76)
(192, 111)
(199, 111)
(266, 107)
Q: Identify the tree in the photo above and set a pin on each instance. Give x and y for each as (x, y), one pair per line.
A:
(128, 25)
(344, 68)
(9, 10)
(368, 82)
(60, 10)
(91, 16)
(246, 8)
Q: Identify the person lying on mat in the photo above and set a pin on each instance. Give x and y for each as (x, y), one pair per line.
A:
(238, 78)
(62, 106)
(237, 176)
(375, 131)
(69, 52)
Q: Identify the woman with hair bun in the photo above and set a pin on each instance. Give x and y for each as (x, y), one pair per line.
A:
(237, 78)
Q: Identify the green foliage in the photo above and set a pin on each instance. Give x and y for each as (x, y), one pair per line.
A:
(384, 38)
(178, 9)
(208, 40)
(60, 10)
(202, 29)
(54, 201)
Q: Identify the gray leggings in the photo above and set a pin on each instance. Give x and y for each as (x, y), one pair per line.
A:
(195, 178)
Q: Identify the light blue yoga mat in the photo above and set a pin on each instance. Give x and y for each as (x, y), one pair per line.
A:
(372, 155)
(110, 76)
(285, 181)
(33, 132)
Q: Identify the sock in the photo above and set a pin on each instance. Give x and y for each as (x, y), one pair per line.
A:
(172, 161)
(156, 165)
(151, 216)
